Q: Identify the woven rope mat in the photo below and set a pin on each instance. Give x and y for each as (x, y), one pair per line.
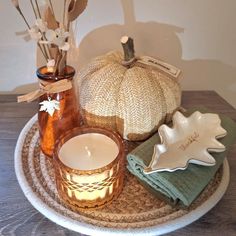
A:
(134, 208)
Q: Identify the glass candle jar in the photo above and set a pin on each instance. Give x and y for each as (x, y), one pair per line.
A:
(64, 118)
(102, 152)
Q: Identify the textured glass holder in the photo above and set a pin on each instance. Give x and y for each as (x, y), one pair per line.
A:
(89, 188)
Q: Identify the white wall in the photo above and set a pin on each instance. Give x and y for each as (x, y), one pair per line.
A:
(198, 36)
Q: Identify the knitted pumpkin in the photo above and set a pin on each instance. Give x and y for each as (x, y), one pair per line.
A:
(125, 95)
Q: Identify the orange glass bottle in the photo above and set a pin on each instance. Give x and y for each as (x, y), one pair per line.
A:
(63, 119)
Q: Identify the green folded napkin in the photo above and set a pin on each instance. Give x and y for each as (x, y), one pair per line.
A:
(181, 186)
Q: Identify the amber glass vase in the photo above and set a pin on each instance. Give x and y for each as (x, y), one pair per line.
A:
(67, 117)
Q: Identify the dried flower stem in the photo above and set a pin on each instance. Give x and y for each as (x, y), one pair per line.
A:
(45, 47)
(16, 4)
(42, 47)
(57, 62)
(37, 5)
(22, 15)
(64, 12)
(44, 55)
(26, 22)
(66, 23)
(32, 5)
(50, 3)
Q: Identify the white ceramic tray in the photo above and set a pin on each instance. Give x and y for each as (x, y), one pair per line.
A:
(135, 212)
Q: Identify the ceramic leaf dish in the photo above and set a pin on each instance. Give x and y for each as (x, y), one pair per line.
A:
(189, 141)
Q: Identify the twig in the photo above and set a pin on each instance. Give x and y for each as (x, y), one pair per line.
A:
(57, 62)
(50, 3)
(26, 22)
(128, 47)
(37, 5)
(32, 5)
(45, 56)
(66, 24)
(19, 10)
(64, 13)
(44, 47)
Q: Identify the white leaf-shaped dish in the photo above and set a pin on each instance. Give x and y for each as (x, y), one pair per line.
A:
(189, 141)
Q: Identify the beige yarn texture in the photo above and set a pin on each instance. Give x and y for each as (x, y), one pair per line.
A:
(134, 101)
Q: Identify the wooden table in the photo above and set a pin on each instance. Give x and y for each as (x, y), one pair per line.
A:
(18, 217)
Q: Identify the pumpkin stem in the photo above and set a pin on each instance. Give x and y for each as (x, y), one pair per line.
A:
(129, 53)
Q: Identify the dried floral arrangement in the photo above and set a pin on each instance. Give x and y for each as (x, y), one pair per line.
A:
(52, 36)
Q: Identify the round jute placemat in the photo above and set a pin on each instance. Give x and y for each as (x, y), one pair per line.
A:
(135, 211)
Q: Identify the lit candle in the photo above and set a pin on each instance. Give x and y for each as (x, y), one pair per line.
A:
(88, 151)
(89, 165)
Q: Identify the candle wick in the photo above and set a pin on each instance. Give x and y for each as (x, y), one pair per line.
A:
(88, 152)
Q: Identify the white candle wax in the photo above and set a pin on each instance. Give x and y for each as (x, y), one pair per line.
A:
(88, 151)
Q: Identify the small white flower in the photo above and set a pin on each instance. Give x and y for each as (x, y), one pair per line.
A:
(50, 35)
(65, 47)
(49, 106)
(34, 33)
(50, 65)
(57, 37)
(61, 33)
(42, 25)
(42, 2)
(36, 30)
